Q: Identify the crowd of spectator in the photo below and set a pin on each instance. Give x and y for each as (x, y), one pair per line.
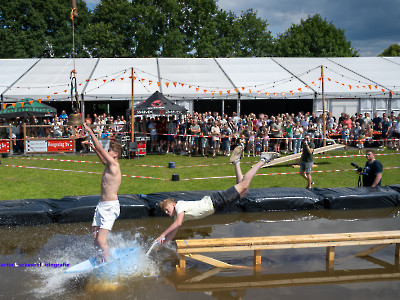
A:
(214, 134)
(203, 133)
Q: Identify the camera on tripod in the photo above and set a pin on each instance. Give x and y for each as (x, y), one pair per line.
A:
(359, 169)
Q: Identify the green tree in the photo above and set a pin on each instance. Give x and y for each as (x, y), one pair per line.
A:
(313, 37)
(39, 28)
(227, 35)
(392, 50)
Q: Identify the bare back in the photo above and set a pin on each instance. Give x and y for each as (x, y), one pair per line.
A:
(110, 181)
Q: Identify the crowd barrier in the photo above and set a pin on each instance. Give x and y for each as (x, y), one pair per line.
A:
(81, 208)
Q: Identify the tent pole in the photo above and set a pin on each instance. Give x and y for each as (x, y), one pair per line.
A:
(132, 109)
(323, 109)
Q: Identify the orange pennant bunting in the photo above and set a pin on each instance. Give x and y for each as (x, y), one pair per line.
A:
(150, 82)
(55, 93)
(39, 100)
(205, 91)
(220, 92)
(228, 91)
(349, 86)
(236, 90)
(197, 89)
(250, 91)
(104, 80)
(31, 102)
(48, 97)
(174, 84)
(65, 91)
(383, 90)
(4, 105)
(22, 104)
(242, 88)
(122, 78)
(167, 84)
(13, 105)
(299, 89)
(369, 86)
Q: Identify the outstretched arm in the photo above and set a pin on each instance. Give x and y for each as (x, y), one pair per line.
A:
(98, 148)
(171, 231)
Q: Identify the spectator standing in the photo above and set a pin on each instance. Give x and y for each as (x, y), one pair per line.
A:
(372, 173)
(276, 131)
(215, 136)
(306, 160)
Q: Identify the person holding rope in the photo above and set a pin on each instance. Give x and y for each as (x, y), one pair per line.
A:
(107, 210)
(190, 210)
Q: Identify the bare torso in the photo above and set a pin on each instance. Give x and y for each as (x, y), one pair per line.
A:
(110, 182)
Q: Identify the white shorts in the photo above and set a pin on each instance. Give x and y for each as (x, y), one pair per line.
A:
(105, 214)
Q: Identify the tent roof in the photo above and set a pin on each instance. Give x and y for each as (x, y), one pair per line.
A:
(158, 104)
(200, 78)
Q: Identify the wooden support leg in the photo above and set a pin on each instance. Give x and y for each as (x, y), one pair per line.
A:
(330, 257)
(182, 262)
(257, 260)
(397, 257)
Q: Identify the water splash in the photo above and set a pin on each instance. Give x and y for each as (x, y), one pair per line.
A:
(52, 281)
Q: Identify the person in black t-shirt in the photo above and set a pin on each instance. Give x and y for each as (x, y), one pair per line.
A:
(372, 173)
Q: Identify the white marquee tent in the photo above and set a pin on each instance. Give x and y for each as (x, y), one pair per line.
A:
(353, 84)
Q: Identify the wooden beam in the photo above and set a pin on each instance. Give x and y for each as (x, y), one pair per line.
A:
(209, 260)
(371, 250)
(257, 258)
(288, 158)
(330, 257)
(205, 275)
(182, 262)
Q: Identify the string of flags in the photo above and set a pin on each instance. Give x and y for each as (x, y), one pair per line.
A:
(215, 91)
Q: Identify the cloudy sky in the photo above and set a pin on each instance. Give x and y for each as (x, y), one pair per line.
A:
(370, 25)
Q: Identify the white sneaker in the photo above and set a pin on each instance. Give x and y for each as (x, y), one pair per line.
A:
(236, 155)
(266, 157)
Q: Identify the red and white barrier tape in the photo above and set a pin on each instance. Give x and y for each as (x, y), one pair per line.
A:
(80, 171)
(187, 179)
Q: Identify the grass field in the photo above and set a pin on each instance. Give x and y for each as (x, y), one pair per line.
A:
(50, 177)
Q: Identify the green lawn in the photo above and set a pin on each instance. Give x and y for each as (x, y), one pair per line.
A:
(33, 183)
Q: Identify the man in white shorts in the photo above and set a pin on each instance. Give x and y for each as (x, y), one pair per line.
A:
(189, 210)
(107, 211)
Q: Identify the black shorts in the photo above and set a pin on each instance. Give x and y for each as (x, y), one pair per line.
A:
(221, 199)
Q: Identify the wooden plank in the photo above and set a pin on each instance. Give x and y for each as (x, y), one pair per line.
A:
(210, 261)
(298, 155)
(286, 246)
(182, 261)
(371, 250)
(272, 282)
(330, 257)
(257, 257)
(292, 239)
(205, 275)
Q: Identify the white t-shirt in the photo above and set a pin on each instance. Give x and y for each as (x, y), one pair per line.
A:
(195, 209)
